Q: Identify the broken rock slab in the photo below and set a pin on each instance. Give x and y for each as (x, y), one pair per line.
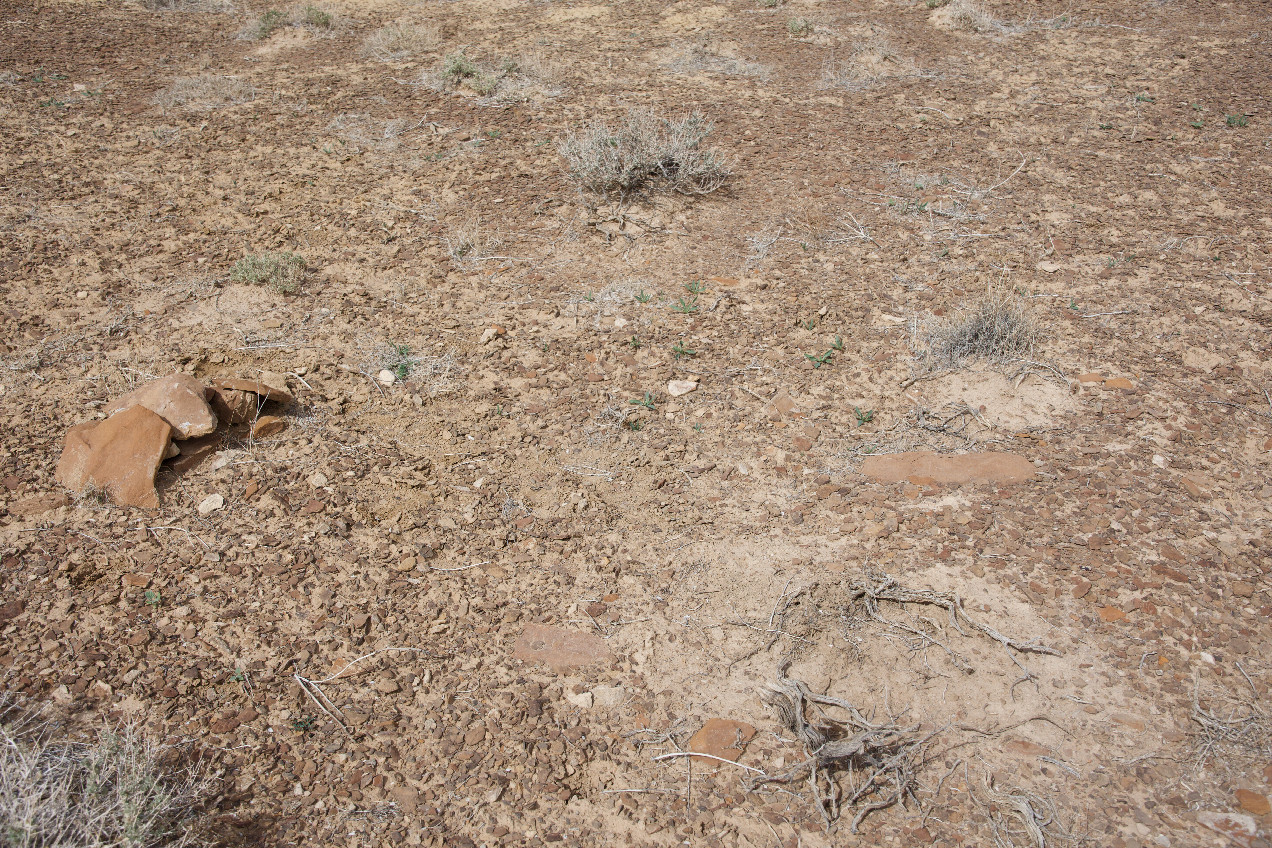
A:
(723, 738)
(558, 648)
(238, 401)
(925, 466)
(119, 455)
(180, 399)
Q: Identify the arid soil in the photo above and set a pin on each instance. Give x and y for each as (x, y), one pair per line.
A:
(553, 585)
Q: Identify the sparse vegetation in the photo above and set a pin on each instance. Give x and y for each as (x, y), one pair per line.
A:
(470, 242)
(645, 151)
(499, 83)
(205, 92)
(316, 17)
(283, 272)
(1237, 120)
(117, 790)
(997, 328)
(400, 42)
(799, 27)
(263, 27)
(968, 15)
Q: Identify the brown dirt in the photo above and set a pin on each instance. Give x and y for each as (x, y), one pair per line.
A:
(497, 486)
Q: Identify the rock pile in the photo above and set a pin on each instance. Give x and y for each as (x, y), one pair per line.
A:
(172, 418)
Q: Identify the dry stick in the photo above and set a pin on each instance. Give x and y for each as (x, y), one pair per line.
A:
(675, 754)
(306, 685)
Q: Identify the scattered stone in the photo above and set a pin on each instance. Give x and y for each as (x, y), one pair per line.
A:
(386, 377)
(1111, 614)
(192, 452)
(119, 455)
(1190, 486)
(233, 406)
(39, 504)
(679, 388)
(268, 425)
(1242, 589)
(1025, 748)
(180, 399)
(558, 648)
(949, 468)
(721, 737)
(11, 610)
(582, 700)
(1254, 803)
(1119, 383)
(609, 696)
(211, 504)
(1090, 378)
(1241, 829)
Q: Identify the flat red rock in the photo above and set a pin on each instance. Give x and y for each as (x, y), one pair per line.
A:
(120, 455)
(721, 737)
(558, 648)
(180, 399)
(929, 467)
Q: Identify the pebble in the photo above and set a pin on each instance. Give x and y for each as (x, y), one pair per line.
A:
(386, 377)
(679, 388)
(211, 504)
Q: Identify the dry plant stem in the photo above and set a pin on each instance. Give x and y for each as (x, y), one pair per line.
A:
(677, 754)
(312, 689)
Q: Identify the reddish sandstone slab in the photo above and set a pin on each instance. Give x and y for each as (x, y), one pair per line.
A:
(558, 648)
(180, 399)
(949, 468)
(723, 738)
(120, 455)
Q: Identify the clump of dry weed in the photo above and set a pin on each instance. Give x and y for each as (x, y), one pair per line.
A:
(645, 151)
(997, 328)
(400, 42)
(205, 92)
(969, 16)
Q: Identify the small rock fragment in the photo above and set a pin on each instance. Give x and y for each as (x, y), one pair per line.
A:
(268, 425)
(679, 388)
(1253, 802)
(211, 504)
(386, 377)
(722, 738)
(179, 399)
(559, 648)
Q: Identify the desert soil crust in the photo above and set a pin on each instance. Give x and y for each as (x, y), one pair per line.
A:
(572, 475)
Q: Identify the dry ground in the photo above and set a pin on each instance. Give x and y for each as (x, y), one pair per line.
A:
(1108, 162)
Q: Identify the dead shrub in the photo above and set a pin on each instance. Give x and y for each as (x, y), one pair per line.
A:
(997, 328)
(400, 42)
(645, 151)
(968, 15)
(498, 82)
(205, 92)
(113, 791)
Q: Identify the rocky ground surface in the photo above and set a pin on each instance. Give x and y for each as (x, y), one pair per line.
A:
(544, 586)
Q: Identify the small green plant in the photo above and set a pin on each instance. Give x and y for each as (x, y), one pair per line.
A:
(819, 361)
(1197, 124)
(238, 676)
(647, 401)
(318, 18)
(936, 4)
(864, 416)
(838, 344)
(1106, 126)
(697, 428)
(799, 27)
(304, 724)
(1145, 98)
(402, 361)
(634, 424)
(152, 598)
(686, 307)
(268, 23)
(636, 343)
(643, 297)
(283, 272)
(810, 324)
(678, 350)
(1237, 120)
(695, 287)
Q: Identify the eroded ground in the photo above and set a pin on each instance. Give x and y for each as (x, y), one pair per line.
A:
(1108, 162)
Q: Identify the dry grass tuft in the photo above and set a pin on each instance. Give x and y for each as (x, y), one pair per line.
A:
(498, 83)
(645, 151)
(968, 15)
(205, 92)
(712, 59)
(114, 791)
(400, 42)
(283, 272)
(871, 63)
(998, 328)
(469, 242)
